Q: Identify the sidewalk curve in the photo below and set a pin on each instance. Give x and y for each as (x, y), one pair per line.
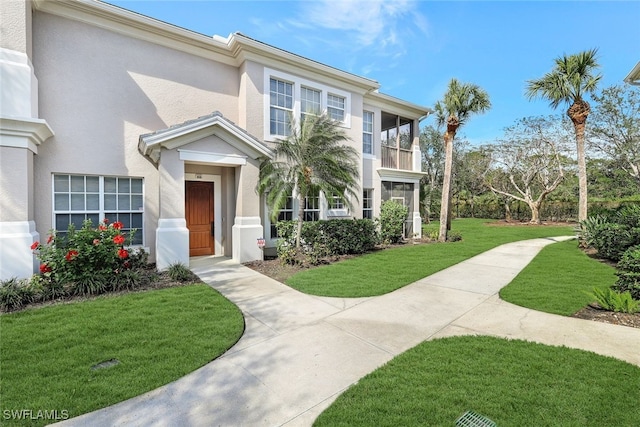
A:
(299, 352)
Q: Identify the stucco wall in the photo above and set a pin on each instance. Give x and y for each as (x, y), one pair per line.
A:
(100, 90)
(15, 31)
(16, 199)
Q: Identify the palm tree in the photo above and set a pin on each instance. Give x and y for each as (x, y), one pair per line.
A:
(571, 78)
(460, 101)
(312, 158)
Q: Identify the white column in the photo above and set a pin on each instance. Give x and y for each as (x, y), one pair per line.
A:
(172, 242)
(245, 234)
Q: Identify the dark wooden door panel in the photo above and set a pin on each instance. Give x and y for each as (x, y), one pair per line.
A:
(199, 215)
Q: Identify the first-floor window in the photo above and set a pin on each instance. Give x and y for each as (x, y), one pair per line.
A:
(335, 202)
(312, 206)
(286, 214)
(367, 203)
(77, 198)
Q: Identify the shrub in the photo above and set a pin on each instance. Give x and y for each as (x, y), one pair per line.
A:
(616, 301)
(588, 228)
(15, 293)
(392, 218)
(454, 236)
(180, 272)
(628, 215)
(85, 261)
(629, 273)
(326, 238)
(613, 239)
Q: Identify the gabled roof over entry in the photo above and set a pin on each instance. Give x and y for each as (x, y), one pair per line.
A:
(190, 131)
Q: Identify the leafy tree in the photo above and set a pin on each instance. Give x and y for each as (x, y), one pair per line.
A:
(313, 157)
(571, 78)
(460, 101)
(615, 128)
(433, 165)
(528, 164)
(472, 165)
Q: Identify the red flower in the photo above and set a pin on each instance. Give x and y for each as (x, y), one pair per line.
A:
(50, 239)
(119, 239)
(123, 253)
(71, 255)
(44, 268)
(117, 225)
(35, 245)
(96, 242)
(106, 221)
(102, 227)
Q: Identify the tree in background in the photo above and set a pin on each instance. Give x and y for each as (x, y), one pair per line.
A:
(433, 165)
(571, 78)
(528, 163)
(313, 157)
(615, 127)
(469, 174)
(460, 102)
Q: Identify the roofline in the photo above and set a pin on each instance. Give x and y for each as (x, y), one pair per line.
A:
(633, 78)
(383, 100)
(232, 50)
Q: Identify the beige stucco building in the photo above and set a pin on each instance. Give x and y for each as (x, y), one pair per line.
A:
(108, 113)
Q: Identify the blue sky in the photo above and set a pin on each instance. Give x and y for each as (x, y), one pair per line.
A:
(413, 48)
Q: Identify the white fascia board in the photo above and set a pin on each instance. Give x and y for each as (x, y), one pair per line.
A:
(398, 175)
(633, 78)
(397, 106)
(212, 158)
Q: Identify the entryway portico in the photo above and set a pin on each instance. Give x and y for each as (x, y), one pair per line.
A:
(208, 170)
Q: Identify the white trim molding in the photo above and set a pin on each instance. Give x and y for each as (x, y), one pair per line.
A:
(212, 158)
(23, 132)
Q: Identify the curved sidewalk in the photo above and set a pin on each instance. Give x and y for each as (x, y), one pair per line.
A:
(299, 352)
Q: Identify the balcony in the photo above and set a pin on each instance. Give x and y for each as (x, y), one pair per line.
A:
(397, 158)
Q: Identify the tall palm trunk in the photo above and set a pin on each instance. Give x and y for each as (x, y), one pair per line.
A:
(445, 205)
(578, 113)
(301, 198)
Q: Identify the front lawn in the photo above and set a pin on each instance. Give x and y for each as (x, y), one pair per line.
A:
(49, 354)
(559, 280)
(383, 271)
(513, 383)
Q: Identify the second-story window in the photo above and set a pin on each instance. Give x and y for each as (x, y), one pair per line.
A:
(367, 132)
(281, 107)
(335, 107)
(309, 102)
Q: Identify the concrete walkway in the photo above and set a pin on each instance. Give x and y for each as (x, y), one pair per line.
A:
(299, 352)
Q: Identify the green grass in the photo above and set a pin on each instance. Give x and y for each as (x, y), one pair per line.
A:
(158, 336)
(384, 271)
(513, 383)
(559, 280)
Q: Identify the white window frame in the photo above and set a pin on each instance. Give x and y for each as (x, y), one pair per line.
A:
(367, 195)
(287, 111)
(367, 130)
(334, 109)
(298, 84)
(102, 210)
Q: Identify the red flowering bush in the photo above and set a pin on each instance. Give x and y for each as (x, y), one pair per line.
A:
(89, 260)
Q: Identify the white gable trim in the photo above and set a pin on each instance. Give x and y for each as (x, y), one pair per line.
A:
(180, 135)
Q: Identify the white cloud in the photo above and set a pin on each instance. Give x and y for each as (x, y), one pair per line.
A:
(382, 23)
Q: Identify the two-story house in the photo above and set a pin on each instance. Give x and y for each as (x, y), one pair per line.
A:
(106, 113)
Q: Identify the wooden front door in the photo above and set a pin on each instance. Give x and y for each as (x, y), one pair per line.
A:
(199, 214)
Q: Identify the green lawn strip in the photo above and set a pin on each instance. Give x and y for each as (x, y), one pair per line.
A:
(513, 383)
(383, 271)
(559, 280)
(158, 336)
